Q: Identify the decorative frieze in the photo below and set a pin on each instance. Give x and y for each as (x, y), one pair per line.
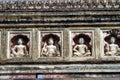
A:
(56, 18)
(63, 44)
(60, 68)
(59, 36)
(59, 5)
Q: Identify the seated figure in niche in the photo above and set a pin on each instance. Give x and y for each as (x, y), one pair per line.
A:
(112, 49)
(19, 50)
(81, 49)
(50, 49)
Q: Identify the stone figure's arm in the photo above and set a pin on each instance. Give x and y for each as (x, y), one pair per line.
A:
(118, 48)
(47, 50)
(44, 50)
(75, 49)
(26, 52)
(87, 51)
(55, 48)
(13, 50)
(57, 51)
(107, 47)
(86, 48)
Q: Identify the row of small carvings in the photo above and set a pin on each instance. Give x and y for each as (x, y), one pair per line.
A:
(59, 5)
(51, 44)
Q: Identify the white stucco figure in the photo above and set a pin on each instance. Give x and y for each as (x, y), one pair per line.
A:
(112, 48)
(81, 49)
(19, 50)
(50, 49)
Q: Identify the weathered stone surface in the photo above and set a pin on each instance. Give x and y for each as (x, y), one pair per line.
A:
(59, 5)
(58, 16)
(74, 68)
(23, 76)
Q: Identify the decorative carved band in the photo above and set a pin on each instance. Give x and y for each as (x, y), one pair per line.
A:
(74, 68)
(60, 5)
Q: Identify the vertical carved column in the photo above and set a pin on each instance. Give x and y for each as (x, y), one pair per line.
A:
(97, 42)
(57, 4)
(42, 4)
(97, 1)
(11, 4)
(66, 3)
(113, 0)
(89, 1)
(50, 4)
(73, 6)
(82, 1)
(74, 1)
(18, 4)
(105, 1)
(58, 1)
(27, 4)
(100, 1)
(3, 4)
(34, 2)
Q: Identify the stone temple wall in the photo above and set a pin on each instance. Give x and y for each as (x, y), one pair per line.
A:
(60, 39)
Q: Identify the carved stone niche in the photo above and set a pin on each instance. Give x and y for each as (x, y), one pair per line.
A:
(110, 44)
(19, 45)
(50, 45)
(81, 45)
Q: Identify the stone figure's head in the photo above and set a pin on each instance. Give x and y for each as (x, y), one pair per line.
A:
(81, 40)
(20, 41)
(112, 39)
(50, 41)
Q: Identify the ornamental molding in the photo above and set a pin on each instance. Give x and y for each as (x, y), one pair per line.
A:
(74, 68)
(60, 5)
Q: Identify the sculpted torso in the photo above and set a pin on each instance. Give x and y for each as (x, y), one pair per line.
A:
(20, 49)
(81, 48)
(51, 49)
(112, 48)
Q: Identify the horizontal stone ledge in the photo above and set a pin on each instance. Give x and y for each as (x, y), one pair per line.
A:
(59, 13)
(60, 20)
(54, 16)
(72, 68)
(58, 24)
(55, 5)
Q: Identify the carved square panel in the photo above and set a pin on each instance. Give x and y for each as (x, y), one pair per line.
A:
(81, 45)
(50, 45)
(110, 44)
(19, 45)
